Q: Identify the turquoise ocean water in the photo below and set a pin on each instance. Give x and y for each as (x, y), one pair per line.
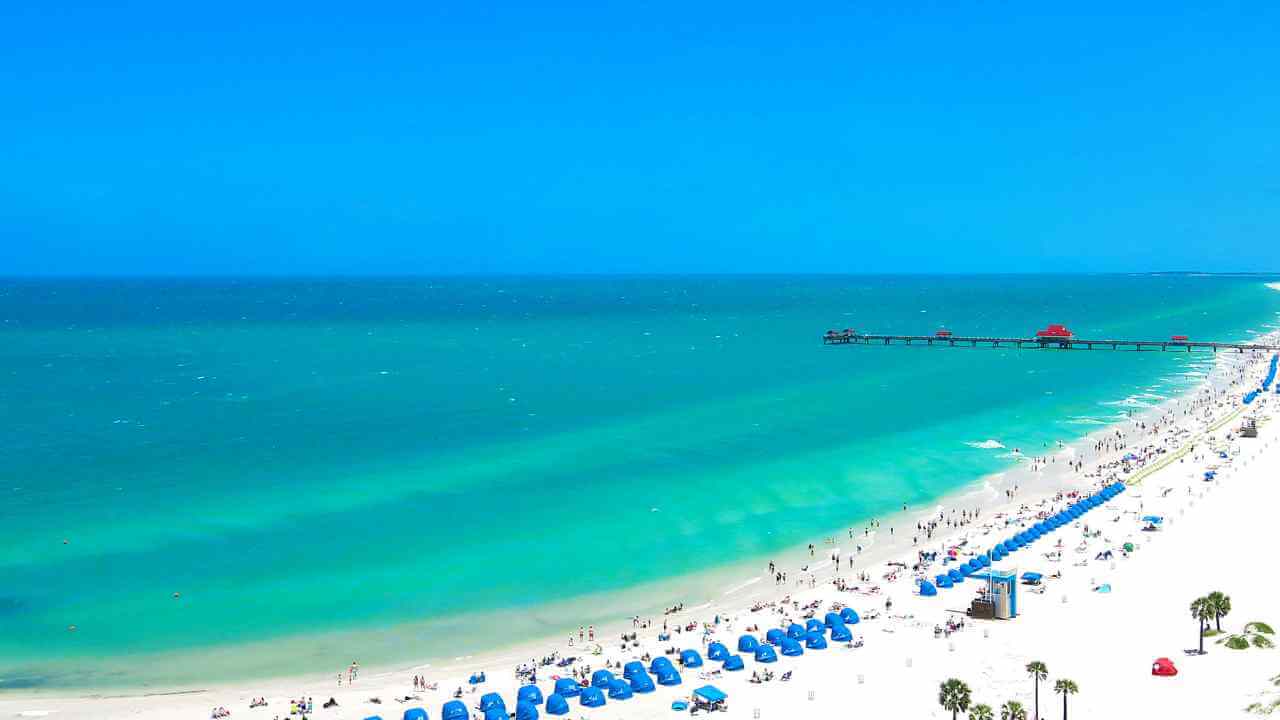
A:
(336, 469)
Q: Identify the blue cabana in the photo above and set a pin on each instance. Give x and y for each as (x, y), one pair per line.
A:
(374, 717)
(530, 693)
(1032, 577)
(926, 589)
(496, 713)
(791, 647)
(631, 668)
(955, 576)
(841, 633)
(659, 663)
(831, 619)
(774, 636)
(1008, 547)
(641, 683)
(717, 651)
(710, 694)
(766, 654)
(748, 644)
(592, 697)
(601, 678)
(619, 690)
(849, 616)
(813, 625)
(415, 714)
(1153, 519)
(973, 566)
(567, 688)
(733, 662)
(944, 582)
(984, 560)
(455, 710)
(491, 700)
(556, 705)
(795, 631)
(690, 658)
(815, 641)
(669, 676)
(526, 710)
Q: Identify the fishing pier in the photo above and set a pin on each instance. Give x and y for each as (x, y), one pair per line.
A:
(1055, 337)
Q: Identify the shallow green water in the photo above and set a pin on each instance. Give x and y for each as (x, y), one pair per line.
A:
(311, 457)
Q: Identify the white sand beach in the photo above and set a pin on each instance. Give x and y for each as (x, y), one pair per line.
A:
(1213, 537)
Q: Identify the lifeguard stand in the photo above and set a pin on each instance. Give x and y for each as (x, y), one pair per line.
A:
(1002, 592)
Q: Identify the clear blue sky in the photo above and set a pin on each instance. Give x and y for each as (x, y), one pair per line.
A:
(428, 137)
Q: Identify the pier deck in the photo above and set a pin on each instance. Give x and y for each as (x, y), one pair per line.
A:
(1041, 343)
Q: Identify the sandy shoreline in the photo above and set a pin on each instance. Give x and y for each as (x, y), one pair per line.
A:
(1034, 488)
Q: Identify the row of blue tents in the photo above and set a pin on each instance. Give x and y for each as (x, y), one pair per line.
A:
(1266, 382)
(1000, 550)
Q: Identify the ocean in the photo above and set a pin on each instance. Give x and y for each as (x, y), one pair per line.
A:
(397, 469)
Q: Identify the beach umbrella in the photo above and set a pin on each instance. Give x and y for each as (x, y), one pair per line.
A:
(457, 710)
(766, 654)
(791, 647)
(669, 676)
(795, 631)
(748, 644)
(733, 662)
(619, 690)
(717, 651)
(849, 616)
(815, 641)
(774, 636)
(415, 714)
(496, 713)
(556, 705)
(641, 683)
(955, 576)
(812, 625)
(491, 700)
(592, 697)
(831, 619)
(1128, 547)
(840, 633)
(690, 658)
(601, 678)
(530, 693)
(526, 710)
(568, 687)
(660, 662)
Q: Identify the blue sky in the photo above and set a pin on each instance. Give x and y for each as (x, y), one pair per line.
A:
(411, 137)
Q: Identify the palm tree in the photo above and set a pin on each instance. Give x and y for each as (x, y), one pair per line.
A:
(1221, 605)
(1013, 710)
(953, 695)
(1065, 687)
(1038, 671)
(980, 712)
(1202, 611)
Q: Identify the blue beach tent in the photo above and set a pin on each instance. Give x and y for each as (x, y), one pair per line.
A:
(812, 625)
(733, 662)
(815, 641)
(840, 633)
(659, 663)
(669, 676)
(374, 717)
(690, 658)
(1032, 577)
(849, 616)
(496, 713)
(567, 688)
(927, 589)
(831, 619)
(455, 710)
(526, 710)
(791, 647)
(766, 654)
(592, 697)
(984, 560)
(717, 651)
(774, 636)
(795, 631)
(944, 582)
(415, 714)
(491, 700)
(619, 690)
(955, 576)
(530, 693)
(601, 678)
(641, 683)
(632, 668)
(748, 644)
(556, 705)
